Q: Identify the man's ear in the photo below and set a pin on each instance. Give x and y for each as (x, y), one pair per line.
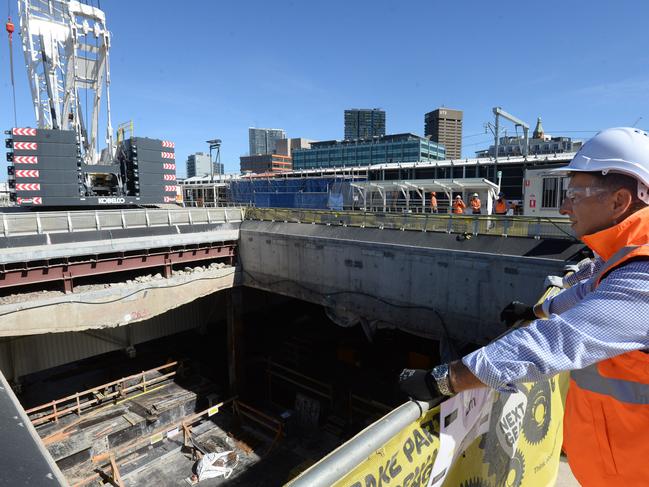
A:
(622, 200)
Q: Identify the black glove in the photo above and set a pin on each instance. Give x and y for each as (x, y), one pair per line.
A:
(419, 384)
(516, 311)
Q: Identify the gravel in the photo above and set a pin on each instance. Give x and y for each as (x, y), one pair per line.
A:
(37, 295)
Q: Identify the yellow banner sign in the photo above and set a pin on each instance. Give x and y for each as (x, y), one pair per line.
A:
(512, 440)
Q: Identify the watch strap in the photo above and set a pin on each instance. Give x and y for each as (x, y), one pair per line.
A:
(441, 374)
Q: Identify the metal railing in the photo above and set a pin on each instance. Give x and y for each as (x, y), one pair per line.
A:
(345, 458)
(496, 225)
(217, 204)
(79, 402)
(14, 224)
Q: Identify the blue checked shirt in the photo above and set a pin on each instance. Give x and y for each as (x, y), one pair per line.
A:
(585, 326)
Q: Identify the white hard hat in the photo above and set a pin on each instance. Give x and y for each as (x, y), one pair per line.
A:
(622, 150)
(475, 194)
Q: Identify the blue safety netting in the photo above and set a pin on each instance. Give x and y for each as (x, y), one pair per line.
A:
(312, 193)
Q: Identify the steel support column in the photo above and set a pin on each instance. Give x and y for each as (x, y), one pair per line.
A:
(235, 340)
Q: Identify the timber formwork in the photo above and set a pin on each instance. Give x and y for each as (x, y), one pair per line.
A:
(115, 430)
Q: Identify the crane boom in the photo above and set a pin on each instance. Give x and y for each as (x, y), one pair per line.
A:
(66, 45)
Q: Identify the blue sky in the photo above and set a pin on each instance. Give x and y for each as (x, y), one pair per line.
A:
(190, 71)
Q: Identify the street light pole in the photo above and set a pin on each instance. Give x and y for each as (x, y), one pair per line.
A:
(215, 144)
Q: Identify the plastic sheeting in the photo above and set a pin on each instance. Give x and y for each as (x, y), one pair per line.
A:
(310, 193)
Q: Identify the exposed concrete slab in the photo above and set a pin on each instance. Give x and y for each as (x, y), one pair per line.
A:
(420, 282)
(115, 306)
(226, 232)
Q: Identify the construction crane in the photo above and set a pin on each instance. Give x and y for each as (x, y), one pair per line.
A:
(66, 45)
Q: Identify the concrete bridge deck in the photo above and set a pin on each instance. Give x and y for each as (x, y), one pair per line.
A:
(432, 275)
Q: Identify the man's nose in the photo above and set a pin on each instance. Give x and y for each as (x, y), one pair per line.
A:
(566, 207)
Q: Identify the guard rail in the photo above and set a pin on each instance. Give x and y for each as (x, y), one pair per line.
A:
(19, 224)
(506, 226)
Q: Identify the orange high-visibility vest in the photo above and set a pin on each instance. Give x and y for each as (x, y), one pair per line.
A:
(606, 422)
(475, 204)
(458, 207)
(501, 207)
(433, 202)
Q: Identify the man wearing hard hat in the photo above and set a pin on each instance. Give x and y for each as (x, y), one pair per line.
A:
(475, 204)
(501, 207)
(458, 205)
(433, 202)
(597, 329)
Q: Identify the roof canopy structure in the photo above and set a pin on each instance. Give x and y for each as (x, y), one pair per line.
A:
(466, 186)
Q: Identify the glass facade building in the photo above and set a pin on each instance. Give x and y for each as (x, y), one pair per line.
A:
(362, 123)
(378, 150)
(263, 141)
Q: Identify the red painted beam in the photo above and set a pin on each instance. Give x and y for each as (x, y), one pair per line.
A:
(98, 265)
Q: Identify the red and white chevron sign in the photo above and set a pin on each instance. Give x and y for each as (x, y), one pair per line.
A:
(25, 146)
(170, 189)
(167, 155)
(168, 144)
(169, 177)
(26, 173)
(169, 199)
(28, 187)
(24, 131)
(25, 160)
(34, 201)
(168, 165)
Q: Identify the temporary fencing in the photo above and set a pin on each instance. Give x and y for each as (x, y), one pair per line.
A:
(314, 193)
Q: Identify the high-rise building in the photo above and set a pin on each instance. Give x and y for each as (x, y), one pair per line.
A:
(444, 126)
(364, 123)
(199, 165)
(263, 141)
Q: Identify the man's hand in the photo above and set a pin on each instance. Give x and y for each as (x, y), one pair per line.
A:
(555, 281)
(516, 311)
(419, 384)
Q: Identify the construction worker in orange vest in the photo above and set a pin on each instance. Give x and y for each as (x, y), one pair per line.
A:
(501, 207)
(598, 329)
(475, 204)
(458, 205)
(433, 202)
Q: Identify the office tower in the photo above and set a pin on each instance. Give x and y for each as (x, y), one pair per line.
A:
(262, 141)
(363, 123)
(198, 164)
(444, 126)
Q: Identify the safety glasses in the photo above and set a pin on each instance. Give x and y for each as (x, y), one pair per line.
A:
(576, 194)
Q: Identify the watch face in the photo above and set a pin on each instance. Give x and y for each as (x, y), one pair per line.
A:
(440, 372)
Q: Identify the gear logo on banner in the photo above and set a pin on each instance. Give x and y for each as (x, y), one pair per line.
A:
(498, 440)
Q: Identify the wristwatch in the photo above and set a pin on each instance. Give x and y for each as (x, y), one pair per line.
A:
(441, 376)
